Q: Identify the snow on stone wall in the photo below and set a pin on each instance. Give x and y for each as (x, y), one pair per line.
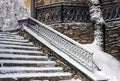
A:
(10, 12)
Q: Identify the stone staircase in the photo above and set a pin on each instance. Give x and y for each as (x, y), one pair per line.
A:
(20, 60)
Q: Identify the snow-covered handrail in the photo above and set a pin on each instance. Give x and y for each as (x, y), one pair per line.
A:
(73, 49)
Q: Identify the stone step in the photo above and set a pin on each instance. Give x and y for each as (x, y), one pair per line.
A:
(73, 79)
(14, 40)
(4, 70)
(40, 75)
(39, 80)
(8, 33)
(26, 63)
(58, 80)
(23, 57)
(16, 51)
(10, 37)
(20, 60)
(3, 46)
(15, 43)
(42, 54)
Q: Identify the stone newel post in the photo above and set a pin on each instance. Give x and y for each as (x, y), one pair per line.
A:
(98, 23)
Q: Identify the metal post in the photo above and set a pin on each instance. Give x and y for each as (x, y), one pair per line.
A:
(62, 12)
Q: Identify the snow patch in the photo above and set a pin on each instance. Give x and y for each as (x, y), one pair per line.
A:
(110, 66)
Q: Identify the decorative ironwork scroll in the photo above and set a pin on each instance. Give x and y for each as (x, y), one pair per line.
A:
(63, 12)
(111, 12)
(49, 15)
(79, 53)
(76, 13)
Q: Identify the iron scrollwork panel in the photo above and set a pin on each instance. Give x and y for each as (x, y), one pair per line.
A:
(63, 13)
(76, 14)
(49, 15)
(111, 11)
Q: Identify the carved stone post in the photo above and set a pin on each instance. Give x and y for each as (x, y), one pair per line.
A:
(98, 23)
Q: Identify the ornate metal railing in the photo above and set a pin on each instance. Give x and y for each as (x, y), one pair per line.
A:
(111, 11)
(63, 12)
(76, 51)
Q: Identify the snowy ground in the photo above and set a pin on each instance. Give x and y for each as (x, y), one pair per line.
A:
(110, 67)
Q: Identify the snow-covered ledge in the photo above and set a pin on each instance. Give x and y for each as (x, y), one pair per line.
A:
(76, 54)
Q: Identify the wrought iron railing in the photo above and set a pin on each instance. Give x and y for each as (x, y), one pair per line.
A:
(111, 11)
(76, 51)
(63, 12)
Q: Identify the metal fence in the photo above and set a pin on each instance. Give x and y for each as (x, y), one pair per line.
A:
(111, 12)
(63, 12)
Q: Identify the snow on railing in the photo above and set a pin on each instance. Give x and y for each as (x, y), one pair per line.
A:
(73, 49)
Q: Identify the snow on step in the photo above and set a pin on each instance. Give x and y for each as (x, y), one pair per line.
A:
(32, 69)
(18, 60)
(8, 33)
(71, 80)
(40, 63)
(39, 80)
(14, 40)
(21, 57)
(12, 37)
(16, 43)
(59, 75)
(59, 80)
(20, 51)
(18, 47)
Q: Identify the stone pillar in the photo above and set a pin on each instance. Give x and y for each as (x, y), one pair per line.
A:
(98, 23)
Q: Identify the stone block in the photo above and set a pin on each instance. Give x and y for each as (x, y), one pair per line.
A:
(68, 32)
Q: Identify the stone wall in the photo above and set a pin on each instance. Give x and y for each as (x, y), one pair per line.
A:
(81, 32)
(112, 35)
